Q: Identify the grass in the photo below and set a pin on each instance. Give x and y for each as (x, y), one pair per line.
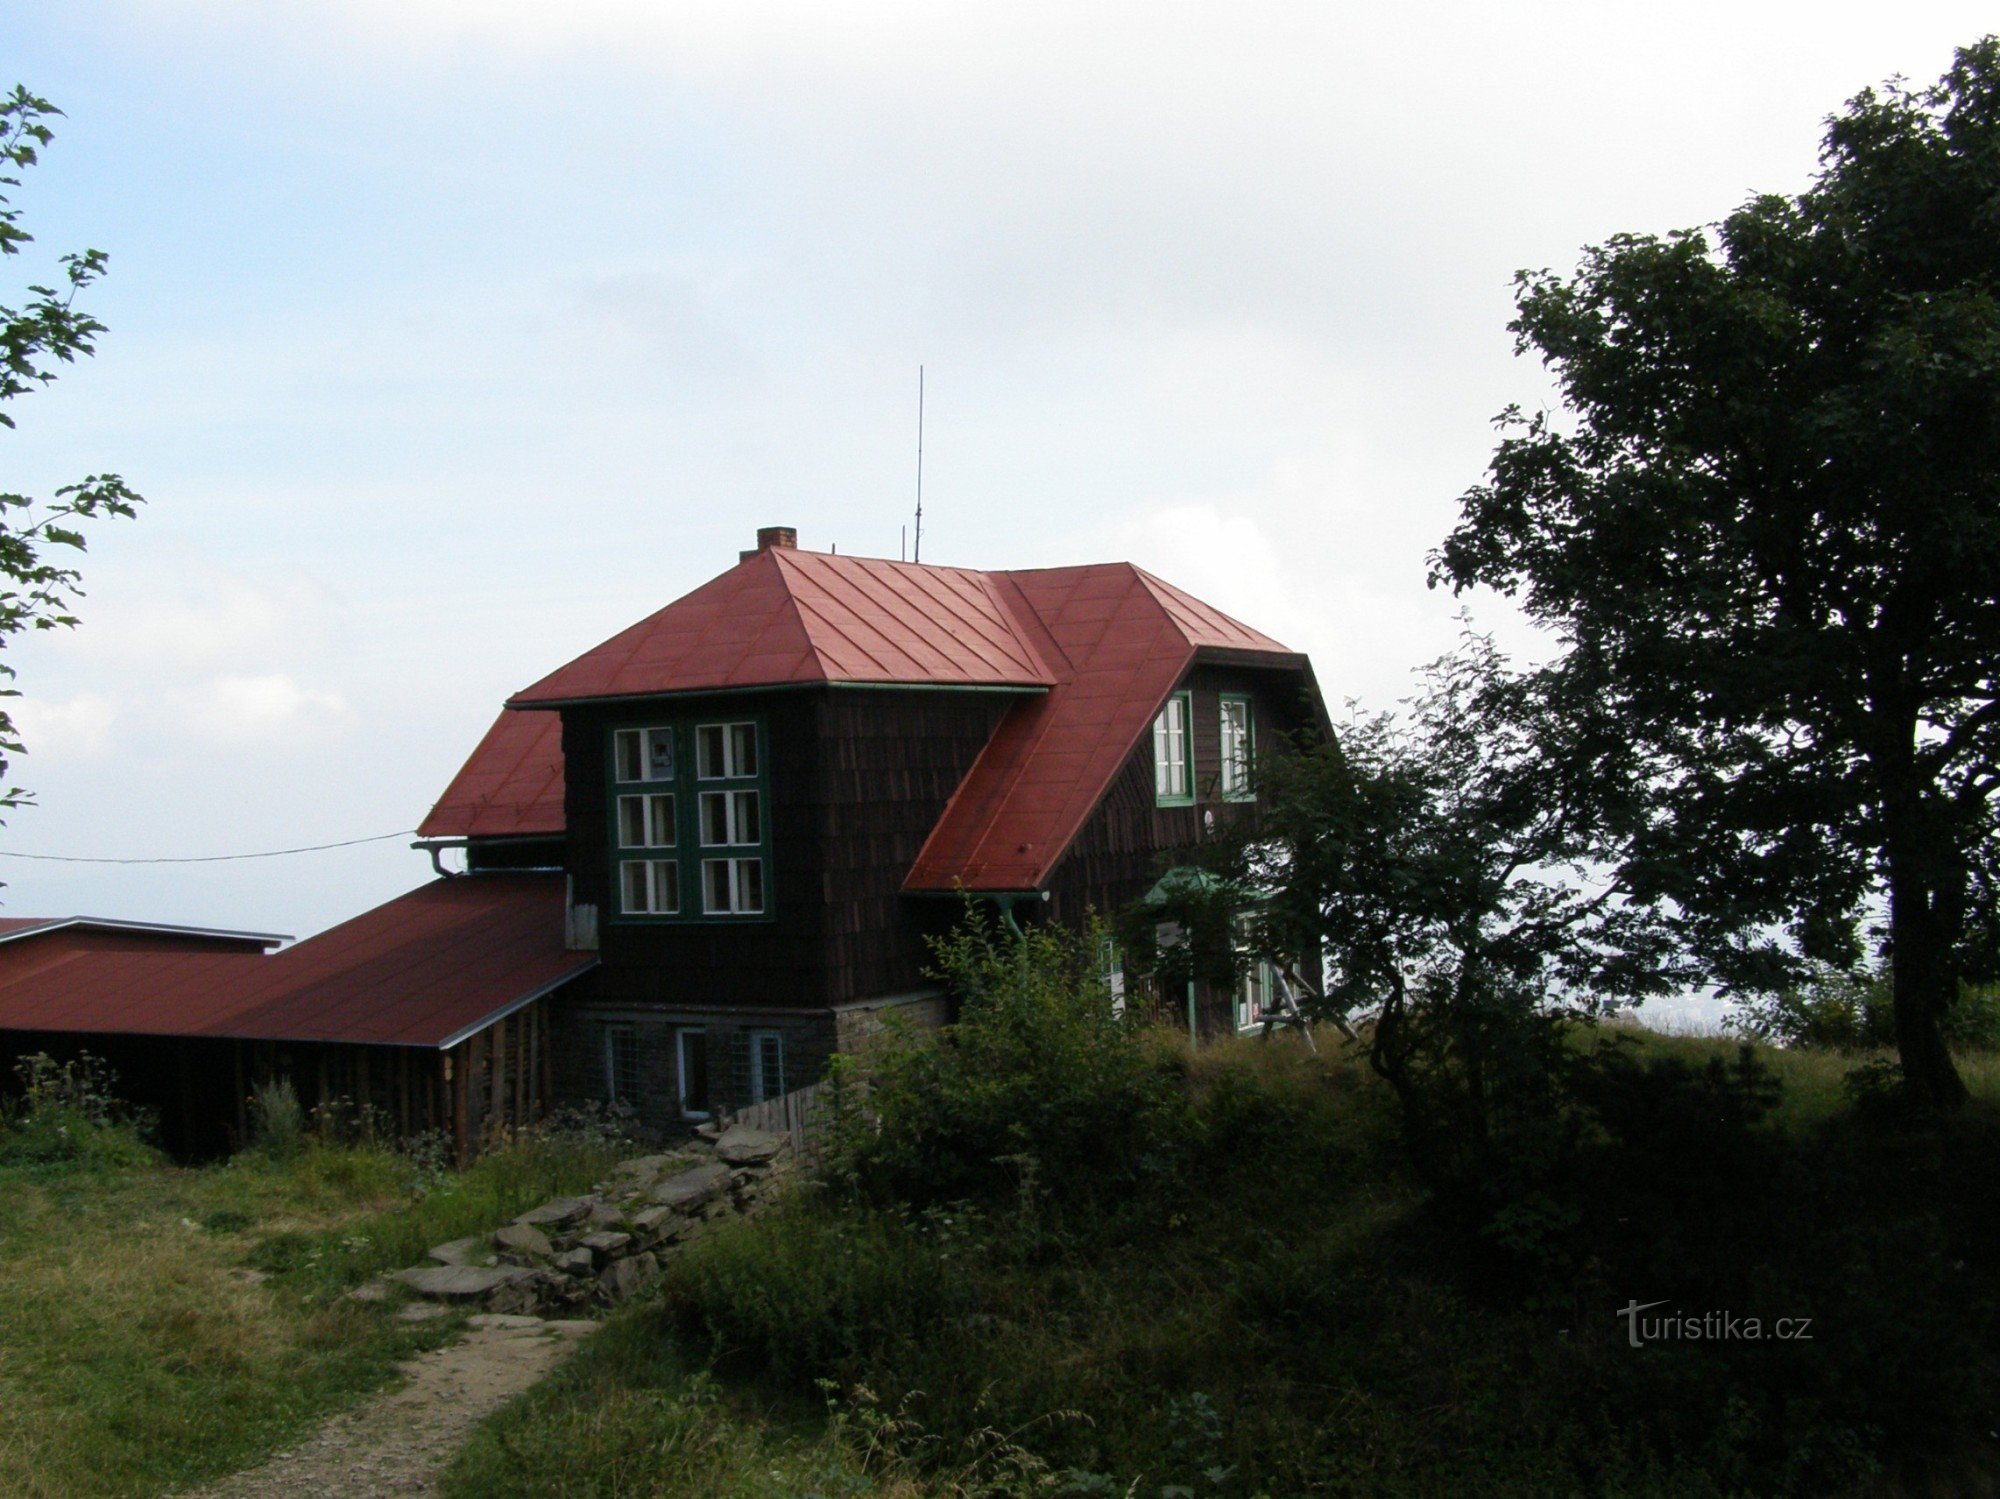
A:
(1293, 1326)
(163, 1326)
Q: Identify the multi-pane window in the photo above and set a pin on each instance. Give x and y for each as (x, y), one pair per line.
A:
(649, 887)
(645, 754)
(690, 825)
(767, 1065)
(732, 887)
(621, 1064)
(1238, 744)
(1173, 764)
(646, 821)
(726, 751)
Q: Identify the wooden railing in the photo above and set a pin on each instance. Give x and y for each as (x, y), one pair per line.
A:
(801, 1114)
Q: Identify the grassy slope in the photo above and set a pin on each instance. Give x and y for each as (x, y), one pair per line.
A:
(137, 1350)
(1280, 1328)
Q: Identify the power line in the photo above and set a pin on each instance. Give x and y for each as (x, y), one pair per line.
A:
(310, 848)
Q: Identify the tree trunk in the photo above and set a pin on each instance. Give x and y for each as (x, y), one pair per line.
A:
(1926, 981)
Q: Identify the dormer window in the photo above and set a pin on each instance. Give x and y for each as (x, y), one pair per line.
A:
(689, 820)
(1173, 759)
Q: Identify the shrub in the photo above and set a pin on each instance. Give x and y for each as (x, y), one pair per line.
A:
(277, 1123)
(1040, 1086)
(69, 1113)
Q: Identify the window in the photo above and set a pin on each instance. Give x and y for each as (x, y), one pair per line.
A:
(767, 1065)
(645, 754)
(730, 818)
(1239, 743)
(652, 887)
(1173, 768)
(646, 821)
(691, 1057)
(621, 1065)
(726, 751)
(1257, 983)
(690, 830)
(732, 887)
(1111, 970)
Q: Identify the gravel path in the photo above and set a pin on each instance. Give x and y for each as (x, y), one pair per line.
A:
(398, 1443)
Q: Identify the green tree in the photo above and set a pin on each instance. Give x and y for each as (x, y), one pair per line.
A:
(1450, 869)
(48, 330)
(1767, 531)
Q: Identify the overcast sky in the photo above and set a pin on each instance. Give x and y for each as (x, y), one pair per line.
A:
(450, 336)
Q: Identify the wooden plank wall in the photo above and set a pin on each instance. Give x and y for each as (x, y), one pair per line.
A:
(479, 1092)
(858, 779)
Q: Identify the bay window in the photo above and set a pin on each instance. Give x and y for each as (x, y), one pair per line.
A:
(690, 826)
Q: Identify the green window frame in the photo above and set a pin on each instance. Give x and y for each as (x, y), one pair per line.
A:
(1173, 752)
(690, 823)
(1239, 746)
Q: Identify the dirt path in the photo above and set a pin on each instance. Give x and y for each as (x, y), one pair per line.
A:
(398, 1443)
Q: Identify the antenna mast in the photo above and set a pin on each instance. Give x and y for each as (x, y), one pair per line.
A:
(917, 551)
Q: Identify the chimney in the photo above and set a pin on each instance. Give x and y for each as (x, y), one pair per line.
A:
(771, 537)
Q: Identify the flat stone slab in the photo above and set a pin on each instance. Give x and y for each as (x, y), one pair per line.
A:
(646, 1165)
(606, 1245)
(458, 1282)
(691, 1187)
(523, 1238)
(741, 1145)
(472, 1251)
(576, 1262)
(561, 1212)
(422, 1311)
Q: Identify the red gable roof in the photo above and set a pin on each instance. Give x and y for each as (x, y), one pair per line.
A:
(1104, 643)
(425, 969)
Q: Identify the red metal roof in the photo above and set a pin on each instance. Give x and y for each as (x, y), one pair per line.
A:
(1125, 639)
(1107, 642)
(425, 969)
(511, 786)
(785, 616)
(17, 928)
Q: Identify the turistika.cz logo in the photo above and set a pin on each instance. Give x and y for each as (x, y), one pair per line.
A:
(1708, 1327)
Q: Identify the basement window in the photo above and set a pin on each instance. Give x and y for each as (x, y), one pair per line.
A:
(1173, 761)
(621, 1065)
(767, 1065)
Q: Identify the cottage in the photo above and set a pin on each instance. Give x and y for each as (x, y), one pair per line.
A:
(703, 856)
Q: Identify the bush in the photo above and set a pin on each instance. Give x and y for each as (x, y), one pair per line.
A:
(1039, 1090)
(69, 1114)
(277, 1123)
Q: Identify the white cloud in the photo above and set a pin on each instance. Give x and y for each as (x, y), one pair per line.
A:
(77, 726)
(262, 709)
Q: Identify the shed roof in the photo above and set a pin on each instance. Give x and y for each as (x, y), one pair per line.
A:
(17, 928)
(426, 969)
